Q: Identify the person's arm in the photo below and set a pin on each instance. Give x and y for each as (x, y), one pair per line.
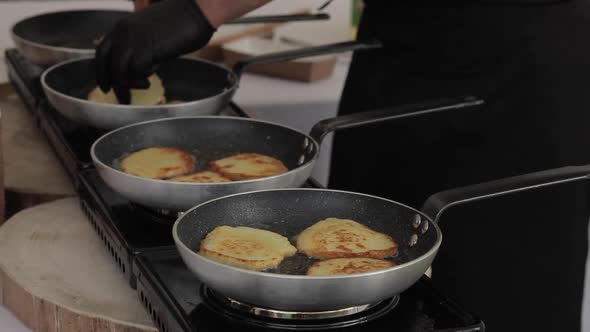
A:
(221, 11)
(163, 30)
(140, 4)
(217, 11)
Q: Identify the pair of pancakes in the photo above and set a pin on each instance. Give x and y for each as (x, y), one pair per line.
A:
(178, 165)
(344, 247)
(154, 95)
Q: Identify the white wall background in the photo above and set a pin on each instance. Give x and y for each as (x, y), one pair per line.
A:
(335, 28)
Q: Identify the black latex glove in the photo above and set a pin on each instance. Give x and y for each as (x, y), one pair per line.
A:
(138, 43)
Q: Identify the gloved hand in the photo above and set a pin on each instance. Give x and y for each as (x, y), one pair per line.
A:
(138, 43)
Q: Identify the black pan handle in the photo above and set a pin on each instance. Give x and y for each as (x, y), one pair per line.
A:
(305, 52)
(326, 126)
(280, 18)
(436, 204)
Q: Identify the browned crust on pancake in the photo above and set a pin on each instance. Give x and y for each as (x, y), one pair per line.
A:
(202, 177)
(249, 264)
(313, 241)
(366, 254)
(345, 266)
(262, 166)
(186, 164)
(246, 247)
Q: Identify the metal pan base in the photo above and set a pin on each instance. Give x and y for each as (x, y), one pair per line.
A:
(281, 319)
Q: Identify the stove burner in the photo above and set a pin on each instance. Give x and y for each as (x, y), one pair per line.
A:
(162, 216)
(282, 319)
(301, 315)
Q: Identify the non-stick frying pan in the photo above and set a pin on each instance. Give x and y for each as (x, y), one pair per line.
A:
(214, 137)
(204, 88)
(51, 38)
(290, 211)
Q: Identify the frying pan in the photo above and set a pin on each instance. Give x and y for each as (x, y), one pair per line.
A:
(204, 87)
(51, 38)
(288, 212)
(214, 137)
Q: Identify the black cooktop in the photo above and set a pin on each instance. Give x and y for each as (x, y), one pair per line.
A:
(24, 77)
(136, 226)
(126, 228)
(177, 302)
(140, 242)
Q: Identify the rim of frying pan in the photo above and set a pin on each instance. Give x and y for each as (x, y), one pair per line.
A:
(432, 250)
(220, 117)
(82, 51)
(136, 108)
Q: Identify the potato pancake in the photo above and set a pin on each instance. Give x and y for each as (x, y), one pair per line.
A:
(246, 247)
(344, 266)
(245, 166)
(154, 95)
(158, 163)
(201, 177)
(344, 238)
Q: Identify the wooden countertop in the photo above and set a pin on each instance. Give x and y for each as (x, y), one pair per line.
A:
(56, 275)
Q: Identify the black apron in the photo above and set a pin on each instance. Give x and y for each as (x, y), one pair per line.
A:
(531, 64)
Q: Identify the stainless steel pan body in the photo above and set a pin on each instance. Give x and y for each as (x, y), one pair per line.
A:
(208, 139)
(203, 87)
(67, 85)
(290, 211)
(214, 137)
(50, 38)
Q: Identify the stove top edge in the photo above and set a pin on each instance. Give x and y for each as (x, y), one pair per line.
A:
(106, 211)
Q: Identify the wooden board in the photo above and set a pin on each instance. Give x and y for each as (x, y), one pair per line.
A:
(30, 164)
(56, 276)
(2, 192)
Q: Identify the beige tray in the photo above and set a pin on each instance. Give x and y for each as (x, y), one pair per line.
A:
(306, 69)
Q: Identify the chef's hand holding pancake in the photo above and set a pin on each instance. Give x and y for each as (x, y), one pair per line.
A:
(161, 31)
(138, 43)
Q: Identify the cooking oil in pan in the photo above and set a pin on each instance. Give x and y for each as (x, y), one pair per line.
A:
(299, 263)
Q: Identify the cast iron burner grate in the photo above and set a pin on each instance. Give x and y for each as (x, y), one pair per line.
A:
(162, 216)
(281, 319)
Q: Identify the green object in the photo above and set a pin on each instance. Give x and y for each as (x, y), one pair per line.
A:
(357, 10)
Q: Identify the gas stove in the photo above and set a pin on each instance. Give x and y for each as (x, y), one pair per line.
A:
(139, 239)
(178, 301)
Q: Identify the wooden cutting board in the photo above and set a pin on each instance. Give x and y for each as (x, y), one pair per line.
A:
(56, 276)
(30, 165)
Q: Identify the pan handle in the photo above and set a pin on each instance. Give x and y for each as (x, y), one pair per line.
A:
(436, 204)
(280, 18)
(240, 66)
(326, 126)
